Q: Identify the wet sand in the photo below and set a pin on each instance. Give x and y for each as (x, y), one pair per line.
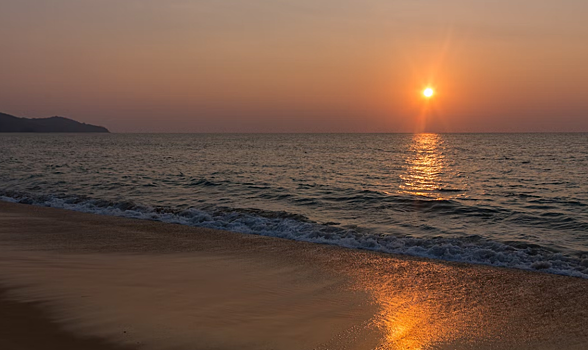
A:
(113, 282)
(26, 326)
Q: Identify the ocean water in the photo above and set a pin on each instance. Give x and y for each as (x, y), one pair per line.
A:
(512, 200)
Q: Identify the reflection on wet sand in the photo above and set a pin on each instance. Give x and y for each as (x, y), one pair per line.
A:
(406, 323)
(417, 315)
(240, 303)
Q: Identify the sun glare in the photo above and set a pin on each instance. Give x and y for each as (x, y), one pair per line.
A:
(428, 92)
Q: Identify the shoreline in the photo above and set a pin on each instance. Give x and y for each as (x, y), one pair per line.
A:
(483, 251)
(181, 286)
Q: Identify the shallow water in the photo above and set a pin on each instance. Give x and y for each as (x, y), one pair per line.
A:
(515, 200)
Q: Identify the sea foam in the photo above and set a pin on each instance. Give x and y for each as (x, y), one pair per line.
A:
(470, 249)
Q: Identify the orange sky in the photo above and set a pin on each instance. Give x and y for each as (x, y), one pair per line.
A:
(298, 66)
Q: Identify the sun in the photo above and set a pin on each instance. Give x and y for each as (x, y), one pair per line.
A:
(428, 92)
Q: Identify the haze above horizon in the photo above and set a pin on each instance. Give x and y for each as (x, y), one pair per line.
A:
(298, 66)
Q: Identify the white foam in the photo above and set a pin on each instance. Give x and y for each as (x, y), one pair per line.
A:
(476, 251)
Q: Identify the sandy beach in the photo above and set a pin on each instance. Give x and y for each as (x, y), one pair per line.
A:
(72, 280)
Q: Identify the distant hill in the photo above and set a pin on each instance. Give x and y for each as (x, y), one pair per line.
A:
(10, 123)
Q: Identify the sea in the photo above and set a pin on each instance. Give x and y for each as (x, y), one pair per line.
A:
(508, 200)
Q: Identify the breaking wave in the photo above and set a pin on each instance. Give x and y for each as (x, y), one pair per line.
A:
(470, 249)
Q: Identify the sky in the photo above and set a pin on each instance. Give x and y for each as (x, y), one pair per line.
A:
(298, 65)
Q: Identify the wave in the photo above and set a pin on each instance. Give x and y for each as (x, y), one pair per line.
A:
(535, 214)
(470, 249)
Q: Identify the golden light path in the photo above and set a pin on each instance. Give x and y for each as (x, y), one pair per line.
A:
(424, 166)
(429, 172)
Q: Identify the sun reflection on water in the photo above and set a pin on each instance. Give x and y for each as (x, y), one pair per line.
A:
(428, 170)
(424, 166)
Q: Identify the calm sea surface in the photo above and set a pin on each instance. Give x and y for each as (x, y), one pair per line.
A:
(515, 200)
